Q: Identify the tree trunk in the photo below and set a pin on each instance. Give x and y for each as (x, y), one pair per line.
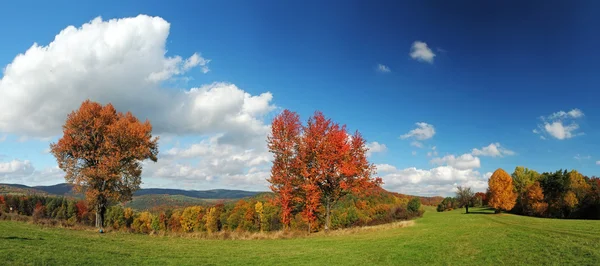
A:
(467, 206)
(328, 216)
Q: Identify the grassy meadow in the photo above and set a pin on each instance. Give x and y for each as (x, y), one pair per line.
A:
(448, 238)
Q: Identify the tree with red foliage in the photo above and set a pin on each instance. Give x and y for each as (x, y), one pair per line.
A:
(101, 152)
(319, 163)
(483, 197)
(82, 209)
(283, 143)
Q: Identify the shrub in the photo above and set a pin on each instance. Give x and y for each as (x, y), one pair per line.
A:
(414, 205)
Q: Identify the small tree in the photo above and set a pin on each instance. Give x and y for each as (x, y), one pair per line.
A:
(464, 196)
(414, 205)
(502, 195)
(101, 152)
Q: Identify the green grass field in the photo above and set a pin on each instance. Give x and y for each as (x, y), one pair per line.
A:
(450, 238)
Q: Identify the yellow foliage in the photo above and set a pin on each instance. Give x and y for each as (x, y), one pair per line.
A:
(212, 220)
(502, 195)
(143, 223)
(571, 200)
(258, 207)
(578, 184)
(190, 218)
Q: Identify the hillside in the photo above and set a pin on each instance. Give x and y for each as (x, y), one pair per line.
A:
(445, 238)
(67, 190)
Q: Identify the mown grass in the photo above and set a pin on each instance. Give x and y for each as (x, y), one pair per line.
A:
(450, 238)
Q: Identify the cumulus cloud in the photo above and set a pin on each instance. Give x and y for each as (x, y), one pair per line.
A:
(422, 132)
(375, 147)
(560, 125)
(493, 150)
(463, 162)
(383, 68)
(125, 62)
(441, 180)
(421, 52)
(121, 61)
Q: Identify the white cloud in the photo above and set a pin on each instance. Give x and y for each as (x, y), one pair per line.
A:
(414, 153)
(421, 52)
(441, 180)
(416, 144)
(560, 125)
(209, 163)
(375, 147)
(597, 162)
(125, 62)
(120, 61)
(463, 162)
(559, 131)
(493, 150)
(422, 132)
(3, 137)
(383, 68)
(16, 167)
(579, 157)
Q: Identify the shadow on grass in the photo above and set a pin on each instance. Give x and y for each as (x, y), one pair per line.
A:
(479, 212)
(19, 238)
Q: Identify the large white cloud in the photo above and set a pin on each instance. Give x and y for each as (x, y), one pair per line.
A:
(441, 180)
(16, 167)
(211, 163)
(421, 52)
(125, 62)
(121, 61)
(561, 125)
(463, 162)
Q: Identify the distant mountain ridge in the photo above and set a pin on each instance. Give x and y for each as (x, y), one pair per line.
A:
(66, 189)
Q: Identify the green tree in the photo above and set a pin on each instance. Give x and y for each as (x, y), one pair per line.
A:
(523, 178)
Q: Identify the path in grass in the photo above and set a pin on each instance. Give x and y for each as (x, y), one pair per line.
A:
(450, 238)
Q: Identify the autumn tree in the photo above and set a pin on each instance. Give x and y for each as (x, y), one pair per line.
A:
(284, 142)
(502, 195)
(533, 201)
(317, 164)
(101, 151)
(522, 179)
(464, 195)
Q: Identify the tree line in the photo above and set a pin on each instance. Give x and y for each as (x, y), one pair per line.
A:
(258, 214)
(559, 194)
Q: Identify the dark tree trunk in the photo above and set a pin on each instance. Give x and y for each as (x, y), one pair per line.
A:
(100, 211)
(467, 206)
(497, 211)
(328, 216)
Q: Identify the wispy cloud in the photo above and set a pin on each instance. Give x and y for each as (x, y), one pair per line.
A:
(383, 68)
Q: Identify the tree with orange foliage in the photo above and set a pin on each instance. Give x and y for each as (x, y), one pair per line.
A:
(319, 163)
(534, 200)
(502, 195)
(101, 151)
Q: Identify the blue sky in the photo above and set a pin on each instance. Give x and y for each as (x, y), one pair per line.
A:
(484, 74)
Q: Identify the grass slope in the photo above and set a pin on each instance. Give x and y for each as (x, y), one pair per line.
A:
(449, 238)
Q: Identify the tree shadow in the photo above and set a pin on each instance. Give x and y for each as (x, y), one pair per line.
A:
(19, 238)
(479, 212)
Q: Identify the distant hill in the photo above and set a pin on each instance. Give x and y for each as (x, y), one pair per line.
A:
(67, 190)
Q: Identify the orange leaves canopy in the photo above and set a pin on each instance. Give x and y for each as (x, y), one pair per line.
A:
(502, 196)
(101, 151)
